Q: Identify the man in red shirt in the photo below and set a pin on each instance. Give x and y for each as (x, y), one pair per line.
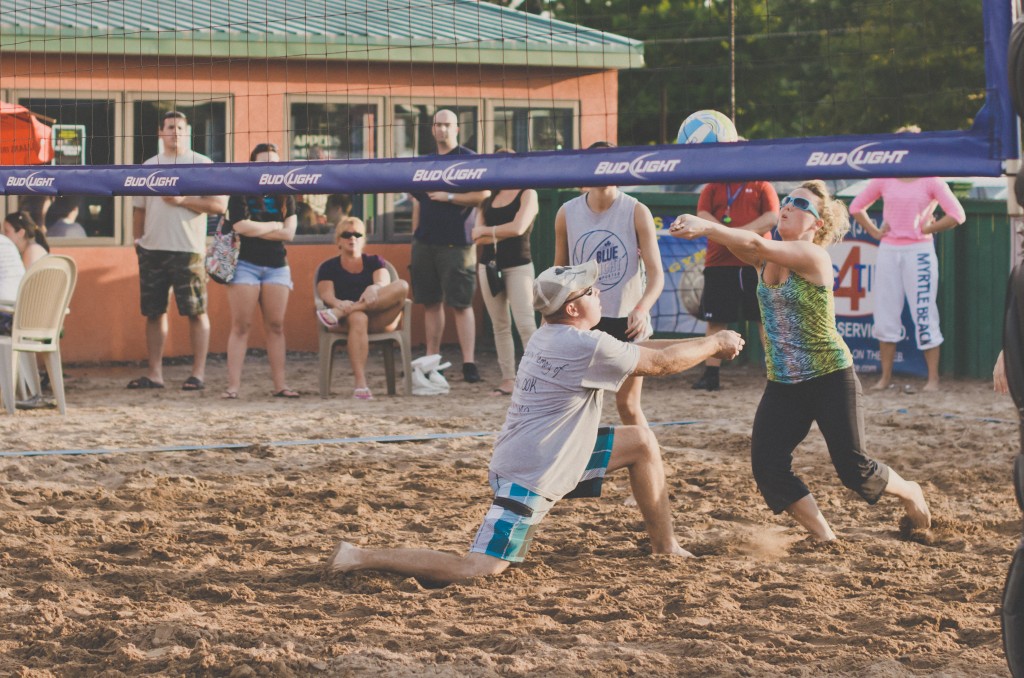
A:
(730, 286)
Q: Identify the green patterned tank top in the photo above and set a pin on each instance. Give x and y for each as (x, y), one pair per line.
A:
(799, 319)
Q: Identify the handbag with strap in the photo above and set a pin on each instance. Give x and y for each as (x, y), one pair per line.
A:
(222, 255)
(495, 279)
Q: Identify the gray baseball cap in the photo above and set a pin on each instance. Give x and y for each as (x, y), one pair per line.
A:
(558, 283)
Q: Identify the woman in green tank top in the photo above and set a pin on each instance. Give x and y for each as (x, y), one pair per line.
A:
(810, 369)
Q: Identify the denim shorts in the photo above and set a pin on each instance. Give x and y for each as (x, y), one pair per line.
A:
(251, 274)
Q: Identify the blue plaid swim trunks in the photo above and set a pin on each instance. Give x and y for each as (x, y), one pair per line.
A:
(516, 512)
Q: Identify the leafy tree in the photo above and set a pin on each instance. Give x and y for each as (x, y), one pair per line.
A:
(803, 67)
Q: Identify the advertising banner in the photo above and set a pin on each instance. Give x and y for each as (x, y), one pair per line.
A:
(683, 263)
(925, 154)
(853, 262)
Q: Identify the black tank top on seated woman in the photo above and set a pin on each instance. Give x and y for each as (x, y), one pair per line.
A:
(512, 251)
(259, 208)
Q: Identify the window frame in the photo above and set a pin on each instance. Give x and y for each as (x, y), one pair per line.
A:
(134, 96)
(117, 99)
(494, 104)
(388, 202)
(372, 205)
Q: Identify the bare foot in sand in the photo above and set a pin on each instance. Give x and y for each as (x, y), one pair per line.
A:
(931, 387)
(344, 559)
(916, 507)
(674, 550)
(881, 385)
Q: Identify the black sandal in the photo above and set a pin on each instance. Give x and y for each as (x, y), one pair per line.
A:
(143, 382)
(193, 384)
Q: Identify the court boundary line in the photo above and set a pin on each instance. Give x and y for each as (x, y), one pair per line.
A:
(410, 438)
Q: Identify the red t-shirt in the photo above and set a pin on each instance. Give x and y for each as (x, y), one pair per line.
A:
(750, 199)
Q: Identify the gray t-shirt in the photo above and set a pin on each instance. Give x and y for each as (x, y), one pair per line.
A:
(552, 423)
(172, 228)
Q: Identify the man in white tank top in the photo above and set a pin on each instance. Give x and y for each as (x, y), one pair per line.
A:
(616, 230)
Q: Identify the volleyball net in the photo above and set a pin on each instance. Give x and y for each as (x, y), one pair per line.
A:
(348, 89)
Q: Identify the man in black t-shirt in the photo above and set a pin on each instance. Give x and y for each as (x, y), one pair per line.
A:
(443, 257)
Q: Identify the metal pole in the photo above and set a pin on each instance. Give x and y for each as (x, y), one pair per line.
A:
(732, 60)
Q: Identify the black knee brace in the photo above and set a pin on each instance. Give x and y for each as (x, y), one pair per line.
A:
(1013, 358)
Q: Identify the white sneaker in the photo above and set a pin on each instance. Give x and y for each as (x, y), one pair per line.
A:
(438, 380)
(427, 363)
(422, 385)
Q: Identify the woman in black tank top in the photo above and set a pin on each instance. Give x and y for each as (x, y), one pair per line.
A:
(263, 279)
(502, 232)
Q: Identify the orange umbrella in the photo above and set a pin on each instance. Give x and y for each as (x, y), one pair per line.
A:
(24, 139)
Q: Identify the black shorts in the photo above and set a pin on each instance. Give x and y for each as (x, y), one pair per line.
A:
(614, 326)
(730, 294)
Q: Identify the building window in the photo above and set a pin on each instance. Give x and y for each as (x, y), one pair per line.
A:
(524, 129)
(207, 122)
(333, 131)
(412, 136)
(97, 116)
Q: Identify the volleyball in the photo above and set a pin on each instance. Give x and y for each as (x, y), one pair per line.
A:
(706, 127)
(691, 287)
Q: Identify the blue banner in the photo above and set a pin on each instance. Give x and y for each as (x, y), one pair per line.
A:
(889, 155)
(683, 263)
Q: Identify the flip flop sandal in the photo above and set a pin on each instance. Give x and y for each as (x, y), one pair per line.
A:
(143, 382)
(286, 393)
(193, 384)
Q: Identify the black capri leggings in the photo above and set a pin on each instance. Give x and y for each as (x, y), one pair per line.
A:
(783, 420)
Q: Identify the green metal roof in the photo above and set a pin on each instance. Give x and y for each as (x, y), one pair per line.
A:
(438, 31)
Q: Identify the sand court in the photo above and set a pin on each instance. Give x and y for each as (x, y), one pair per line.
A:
(196, 544)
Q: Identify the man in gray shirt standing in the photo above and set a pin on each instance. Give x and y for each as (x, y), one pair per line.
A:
(170, 241)
(551, 446)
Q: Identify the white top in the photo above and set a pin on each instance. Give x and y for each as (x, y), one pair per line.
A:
(610, 238)
(172, 228)
(12, 269)
(552, 423)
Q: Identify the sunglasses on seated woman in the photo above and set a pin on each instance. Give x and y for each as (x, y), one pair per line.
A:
(350, 234)
(802, 204)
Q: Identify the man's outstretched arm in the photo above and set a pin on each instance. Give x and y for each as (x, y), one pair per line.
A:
(661, 357)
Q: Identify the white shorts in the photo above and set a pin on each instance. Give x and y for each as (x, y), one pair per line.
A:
(907, 273)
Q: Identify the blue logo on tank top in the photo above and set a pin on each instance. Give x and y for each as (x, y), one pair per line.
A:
(608, 250)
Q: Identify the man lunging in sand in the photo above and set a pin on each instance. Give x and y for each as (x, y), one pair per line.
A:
(551, 446)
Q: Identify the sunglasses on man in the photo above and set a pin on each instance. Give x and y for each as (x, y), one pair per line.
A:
(585, 293)
(348, 235)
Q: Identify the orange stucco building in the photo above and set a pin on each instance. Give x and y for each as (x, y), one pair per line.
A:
(317, 86)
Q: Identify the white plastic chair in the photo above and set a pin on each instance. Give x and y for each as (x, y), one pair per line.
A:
(43, 297)
(402, 336)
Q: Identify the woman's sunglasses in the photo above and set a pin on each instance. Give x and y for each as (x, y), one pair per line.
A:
(802, 204)
(347, 235)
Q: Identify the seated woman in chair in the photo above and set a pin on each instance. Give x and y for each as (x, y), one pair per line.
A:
(358, 296)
